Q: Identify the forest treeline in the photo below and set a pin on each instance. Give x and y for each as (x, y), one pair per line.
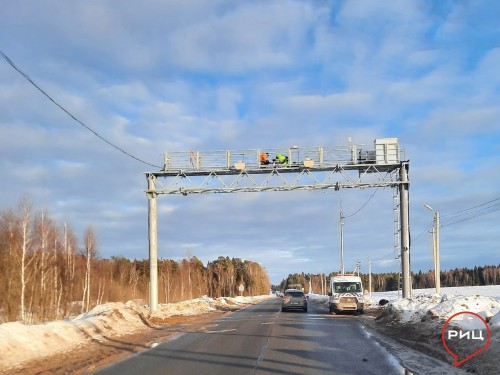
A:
(384, 282)
(45, 275)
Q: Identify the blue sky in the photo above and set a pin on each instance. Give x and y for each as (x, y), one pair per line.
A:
(156, 76)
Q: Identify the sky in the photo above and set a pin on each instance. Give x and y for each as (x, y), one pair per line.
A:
(162, 76)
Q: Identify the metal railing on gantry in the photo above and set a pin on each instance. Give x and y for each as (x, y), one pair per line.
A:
(385, 153)
(292, 168)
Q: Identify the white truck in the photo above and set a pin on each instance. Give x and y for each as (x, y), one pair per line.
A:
(346, 294)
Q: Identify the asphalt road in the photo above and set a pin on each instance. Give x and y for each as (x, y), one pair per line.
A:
(261, 339)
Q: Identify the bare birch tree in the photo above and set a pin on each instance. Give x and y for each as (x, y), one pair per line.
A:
(25, 212)
(89, 253)
(9, 286)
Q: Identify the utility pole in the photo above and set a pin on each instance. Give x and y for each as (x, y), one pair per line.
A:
(342, 271)
(435, 248)
(153, 243)
(369, 277)
(438, 261)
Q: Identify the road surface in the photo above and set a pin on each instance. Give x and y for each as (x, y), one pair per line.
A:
(261, 339)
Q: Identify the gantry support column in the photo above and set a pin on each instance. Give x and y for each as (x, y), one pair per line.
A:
(153, 243)
(405, 229)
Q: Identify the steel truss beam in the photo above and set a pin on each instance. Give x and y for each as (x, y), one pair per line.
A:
(276, 179)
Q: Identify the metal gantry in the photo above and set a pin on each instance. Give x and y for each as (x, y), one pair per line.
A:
(284, 169)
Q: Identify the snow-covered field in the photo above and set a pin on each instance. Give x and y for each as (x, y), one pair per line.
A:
(20, 343)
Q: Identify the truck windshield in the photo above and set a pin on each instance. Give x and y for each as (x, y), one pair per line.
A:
(346, 287)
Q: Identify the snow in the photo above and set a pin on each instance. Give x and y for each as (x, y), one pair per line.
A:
(20, 343)
(425, 303)
(484, 301)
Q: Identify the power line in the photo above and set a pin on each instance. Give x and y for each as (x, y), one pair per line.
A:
(359, 209)
(11, 63)
(471, 213)
(419, 239)
(386, 257)
(469, 209)
(483, 212)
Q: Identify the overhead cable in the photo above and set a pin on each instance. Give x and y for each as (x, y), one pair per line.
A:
(359, 209)
(418, 240)
(11, 63)
(473, 215)
(465, 211)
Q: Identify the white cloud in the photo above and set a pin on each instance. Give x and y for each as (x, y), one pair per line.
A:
(347, 102)
(247, 37)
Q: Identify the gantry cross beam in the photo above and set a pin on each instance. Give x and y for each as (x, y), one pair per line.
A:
(275, 178)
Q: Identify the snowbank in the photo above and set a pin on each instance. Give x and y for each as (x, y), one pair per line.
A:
(427, 305)
(442, 307)
(20, 343)
(423, 317)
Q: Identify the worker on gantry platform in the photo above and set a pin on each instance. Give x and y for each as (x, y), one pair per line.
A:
(264, 158)
(282, 159)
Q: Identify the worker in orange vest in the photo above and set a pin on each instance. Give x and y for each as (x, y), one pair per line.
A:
(264, 158)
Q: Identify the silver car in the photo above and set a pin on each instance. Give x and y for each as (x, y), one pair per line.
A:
(294, 299)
